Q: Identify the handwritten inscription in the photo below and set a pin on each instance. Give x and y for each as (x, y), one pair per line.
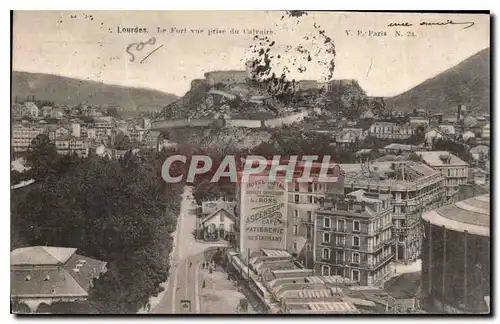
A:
(467, 24)
(137, 47)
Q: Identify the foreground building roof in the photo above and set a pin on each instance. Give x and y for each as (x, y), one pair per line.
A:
(52, 272)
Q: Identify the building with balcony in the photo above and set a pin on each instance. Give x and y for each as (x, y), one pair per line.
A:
(354, 237)
(303, 199)
(454, 170)
(386, 130)
(414, 187)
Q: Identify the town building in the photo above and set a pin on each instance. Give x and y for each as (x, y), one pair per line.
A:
(349, 136)
(480, 152)
(396, 148)
(468, 135)
(479, 176)
(219, 225)
(57, 112)
(284, 286)
(76, 129)
(417, 121)
(43, 275)
(486, 131)
(454, 170)
(386, 130)
(67, 144)
(433, 135)
(22, 136)
(414, 187)
(46, 111)
(447, 129)
(354, 237)
(456, 255)
(136, 133)
(32, 109)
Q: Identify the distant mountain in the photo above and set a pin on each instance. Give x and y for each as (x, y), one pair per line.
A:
(69, 91)
(466, 83)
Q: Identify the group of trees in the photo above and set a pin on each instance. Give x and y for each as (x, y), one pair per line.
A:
(117, 211)
(453, 147)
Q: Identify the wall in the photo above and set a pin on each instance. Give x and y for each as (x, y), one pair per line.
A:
(286, 120)
(162, 124)
(243, 123)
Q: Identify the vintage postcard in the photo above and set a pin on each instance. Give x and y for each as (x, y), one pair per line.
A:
(250, 162)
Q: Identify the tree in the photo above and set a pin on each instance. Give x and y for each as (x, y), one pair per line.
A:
(116, 211)
(42, 156)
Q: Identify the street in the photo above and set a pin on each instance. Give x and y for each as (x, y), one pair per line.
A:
(184, 283)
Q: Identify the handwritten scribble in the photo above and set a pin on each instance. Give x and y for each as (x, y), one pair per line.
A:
(139, 47)
(432, 23)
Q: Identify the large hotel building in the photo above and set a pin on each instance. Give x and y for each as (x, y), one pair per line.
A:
(353, 227)
(414, 187)
(354, 238)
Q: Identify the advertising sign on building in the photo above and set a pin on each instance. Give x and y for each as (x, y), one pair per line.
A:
(263, 214)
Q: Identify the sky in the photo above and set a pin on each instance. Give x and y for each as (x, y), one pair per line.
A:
(87, 45)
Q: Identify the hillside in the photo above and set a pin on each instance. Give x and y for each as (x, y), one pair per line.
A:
(466, 83)
(69, 91)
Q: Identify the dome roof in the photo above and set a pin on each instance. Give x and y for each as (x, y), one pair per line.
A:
(472, 215)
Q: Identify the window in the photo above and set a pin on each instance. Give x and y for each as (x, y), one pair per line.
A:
(296, 213)
(309, 216)
(221, 217)
(297, 188)
(356, 226)
(340, 257)
(310, 199)
(308, 232)
(341, 225)
(308, 247)
(401, 239)
(326, 237)
(309, 187)
(325, 270)
(355, 275)
(326, 253)
(355, 241)
(296, 199)
(340, 240)
(326, 222)
(295, 246)
(295, 229)
(355, 257)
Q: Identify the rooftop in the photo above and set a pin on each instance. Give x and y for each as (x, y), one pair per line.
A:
(40, 255)
(402, 147)
(386, 173)
(472, 215)
(437, 158)
(52, 272)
